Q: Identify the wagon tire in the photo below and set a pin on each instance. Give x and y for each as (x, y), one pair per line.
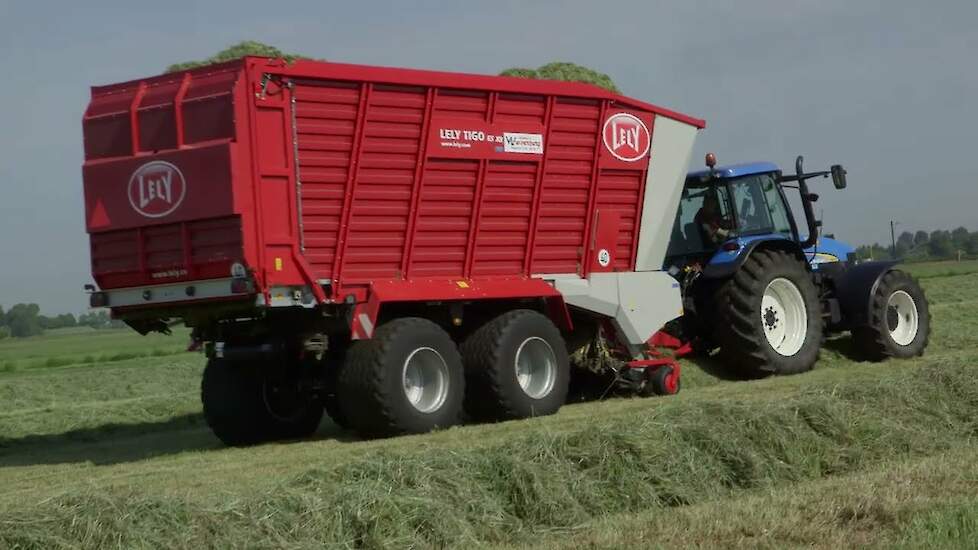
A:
(233, 409)
(770, 319)
(331, 399)
(516, 366)
(899, 323)
(407, 378)
(237, 407)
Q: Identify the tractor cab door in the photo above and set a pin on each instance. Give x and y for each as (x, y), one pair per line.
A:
(691, 234)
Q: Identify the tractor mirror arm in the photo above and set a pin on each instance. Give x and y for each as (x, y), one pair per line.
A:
(801, 177)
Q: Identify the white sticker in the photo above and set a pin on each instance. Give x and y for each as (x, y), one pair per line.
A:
(523, 143)
(604, 257)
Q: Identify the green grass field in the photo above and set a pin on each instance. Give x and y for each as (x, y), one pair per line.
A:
(113, 451)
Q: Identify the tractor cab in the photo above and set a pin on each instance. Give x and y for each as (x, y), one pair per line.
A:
(722, 209)
(725, 211)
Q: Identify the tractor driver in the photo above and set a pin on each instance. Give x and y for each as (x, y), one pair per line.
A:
(713, 227)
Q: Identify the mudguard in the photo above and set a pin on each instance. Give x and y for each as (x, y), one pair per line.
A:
(855, 286)
(725, 263)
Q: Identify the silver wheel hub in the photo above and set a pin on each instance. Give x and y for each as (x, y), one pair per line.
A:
(902, 319)
(536, 367)
(425, 378)
(784, 316)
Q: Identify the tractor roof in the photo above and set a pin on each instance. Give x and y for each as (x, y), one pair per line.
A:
(736, 170)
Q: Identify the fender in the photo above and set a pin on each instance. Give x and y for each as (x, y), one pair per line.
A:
(724, 264)
(854, 288)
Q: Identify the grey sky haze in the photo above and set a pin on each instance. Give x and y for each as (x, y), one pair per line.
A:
(886, 88)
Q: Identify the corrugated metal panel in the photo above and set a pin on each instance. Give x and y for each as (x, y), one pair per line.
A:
(562, 216)
(384, 183)
(165, 253)
(504, 219)
(459, 228)
(444, 216)
(618, 190)
(326, 120)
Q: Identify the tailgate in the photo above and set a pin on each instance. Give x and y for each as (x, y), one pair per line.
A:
(158, 185)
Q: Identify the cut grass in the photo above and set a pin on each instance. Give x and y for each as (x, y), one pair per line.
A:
(117, 455)
(901, 503)
(540, 479)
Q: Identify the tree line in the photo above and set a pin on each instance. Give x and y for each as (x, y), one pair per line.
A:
(921, 245)
(23, 320)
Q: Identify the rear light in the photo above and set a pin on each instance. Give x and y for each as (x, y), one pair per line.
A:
(242, 286)
(98, 299)
(731, 246)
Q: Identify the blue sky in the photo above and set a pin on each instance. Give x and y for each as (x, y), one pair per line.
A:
(886, 88)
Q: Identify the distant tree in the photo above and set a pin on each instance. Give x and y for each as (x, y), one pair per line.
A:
(940, 245)
(973, 244)
(3, 318)
(22, 320)
(568, 72)
(67, 320)
(98, 319)
(920, 237)
(905, 239)
(4, 332)
(960, 238)
(875, 251)
(904, 243)
(236, 51)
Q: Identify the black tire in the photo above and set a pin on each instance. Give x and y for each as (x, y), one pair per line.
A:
(875, 342)
(293, 410)
(370, 389)
(493, 391)
(238, 403)
(331, 400)
(740, 330)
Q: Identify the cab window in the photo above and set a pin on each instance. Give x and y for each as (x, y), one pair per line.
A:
(759, 206)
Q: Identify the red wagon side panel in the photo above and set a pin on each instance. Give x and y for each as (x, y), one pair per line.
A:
(341, 177)
(409, 175)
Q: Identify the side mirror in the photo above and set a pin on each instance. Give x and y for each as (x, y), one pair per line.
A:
(838, 176)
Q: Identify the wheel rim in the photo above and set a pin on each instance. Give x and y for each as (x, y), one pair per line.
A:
(425, 379)
(536, 367)
(902, 318)
(784, 316)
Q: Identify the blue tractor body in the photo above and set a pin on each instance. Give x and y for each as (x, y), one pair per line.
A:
(761, 284)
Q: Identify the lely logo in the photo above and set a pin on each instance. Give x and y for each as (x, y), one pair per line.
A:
(156, 189)
(626, 137)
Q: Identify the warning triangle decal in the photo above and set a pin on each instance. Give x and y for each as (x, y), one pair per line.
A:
(99, 217)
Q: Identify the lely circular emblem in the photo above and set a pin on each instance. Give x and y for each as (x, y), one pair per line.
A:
(156, 189)
(626, 137)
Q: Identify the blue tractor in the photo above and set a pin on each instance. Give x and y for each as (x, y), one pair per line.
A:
(765, 292)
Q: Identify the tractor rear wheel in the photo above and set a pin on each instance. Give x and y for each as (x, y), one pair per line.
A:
(408, 378)
(899, 324)
(516, 366)
(769, 317)
(244, 406)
